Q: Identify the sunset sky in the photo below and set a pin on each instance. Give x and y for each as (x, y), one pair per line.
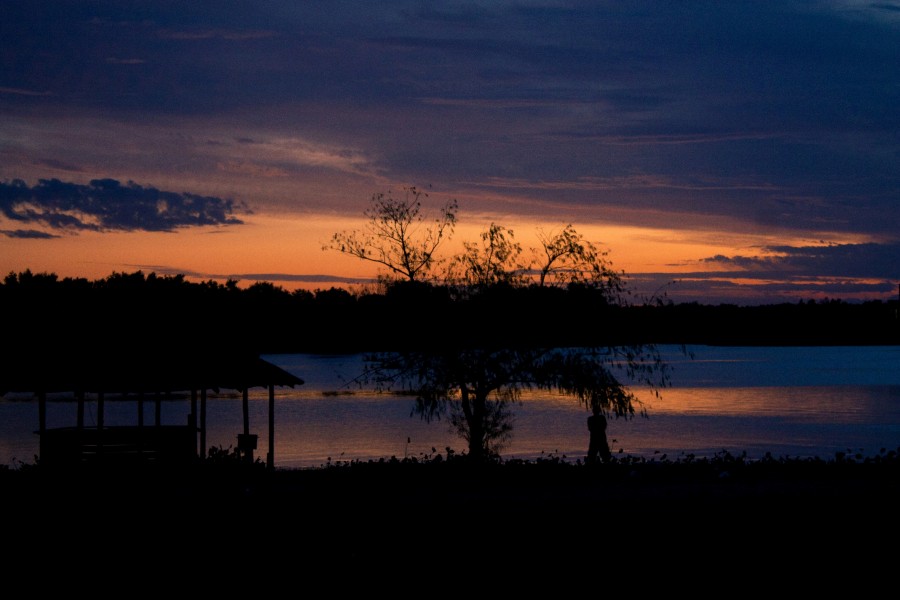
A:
(749, 152)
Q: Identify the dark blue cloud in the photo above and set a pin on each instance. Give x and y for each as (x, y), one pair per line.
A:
(772, 67)
(782, 274)
(832, 260)
(885, 6)
(107, 205)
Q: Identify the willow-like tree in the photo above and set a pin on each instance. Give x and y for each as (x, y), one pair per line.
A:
(475, 388)
(479, 369)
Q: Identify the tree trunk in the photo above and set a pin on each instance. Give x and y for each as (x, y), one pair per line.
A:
(473, 406)
(477, 427)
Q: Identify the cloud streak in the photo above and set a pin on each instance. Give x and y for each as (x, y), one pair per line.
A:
(27, 234)
(282, 278)
(868, 260)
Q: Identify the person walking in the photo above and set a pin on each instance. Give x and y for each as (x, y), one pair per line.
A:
(598, 448)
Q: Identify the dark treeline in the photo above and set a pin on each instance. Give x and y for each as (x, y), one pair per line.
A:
(134, 310)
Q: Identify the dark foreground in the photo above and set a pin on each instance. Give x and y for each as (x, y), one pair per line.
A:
(712, 511)
(707, 528)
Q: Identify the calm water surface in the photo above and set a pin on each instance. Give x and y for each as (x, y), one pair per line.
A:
(795, 402)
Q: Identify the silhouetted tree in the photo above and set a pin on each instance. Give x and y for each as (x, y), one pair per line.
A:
(396, 236)
(566, 258)
(472, 378)
(493, 261)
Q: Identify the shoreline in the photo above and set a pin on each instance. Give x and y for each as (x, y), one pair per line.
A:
(722, 475)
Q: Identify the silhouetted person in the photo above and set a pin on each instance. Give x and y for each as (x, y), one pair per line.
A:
(599, 447)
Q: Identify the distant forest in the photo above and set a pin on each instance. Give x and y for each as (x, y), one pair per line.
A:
(128, 310)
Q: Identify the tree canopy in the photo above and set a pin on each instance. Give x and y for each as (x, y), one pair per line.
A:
(473, 375)
(397, 234)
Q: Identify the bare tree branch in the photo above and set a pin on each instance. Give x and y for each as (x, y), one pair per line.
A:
(398, 236)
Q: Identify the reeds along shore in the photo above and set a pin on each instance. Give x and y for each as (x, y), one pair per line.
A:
(548, 479)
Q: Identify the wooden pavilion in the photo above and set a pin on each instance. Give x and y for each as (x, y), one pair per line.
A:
(143, 375)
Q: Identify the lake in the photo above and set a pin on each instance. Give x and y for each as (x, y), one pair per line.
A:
(787, 401)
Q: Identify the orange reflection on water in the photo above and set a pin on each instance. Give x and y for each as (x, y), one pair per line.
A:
(806, 401)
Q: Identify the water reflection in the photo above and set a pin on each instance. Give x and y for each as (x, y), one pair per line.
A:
(826, 400)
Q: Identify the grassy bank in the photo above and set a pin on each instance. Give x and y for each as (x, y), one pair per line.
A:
(686, 483)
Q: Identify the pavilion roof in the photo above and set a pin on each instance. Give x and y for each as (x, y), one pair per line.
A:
(135, 370)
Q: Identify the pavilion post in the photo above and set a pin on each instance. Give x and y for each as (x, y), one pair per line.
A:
(246, 445)
(79, 419)
(42, 420)
(270, 461)
(79, 422)
(203, 423)
(100, 422)
(246, 406)
(192, 419)
(140, 415)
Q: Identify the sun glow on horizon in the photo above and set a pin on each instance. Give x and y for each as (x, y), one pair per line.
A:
(288, 250)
